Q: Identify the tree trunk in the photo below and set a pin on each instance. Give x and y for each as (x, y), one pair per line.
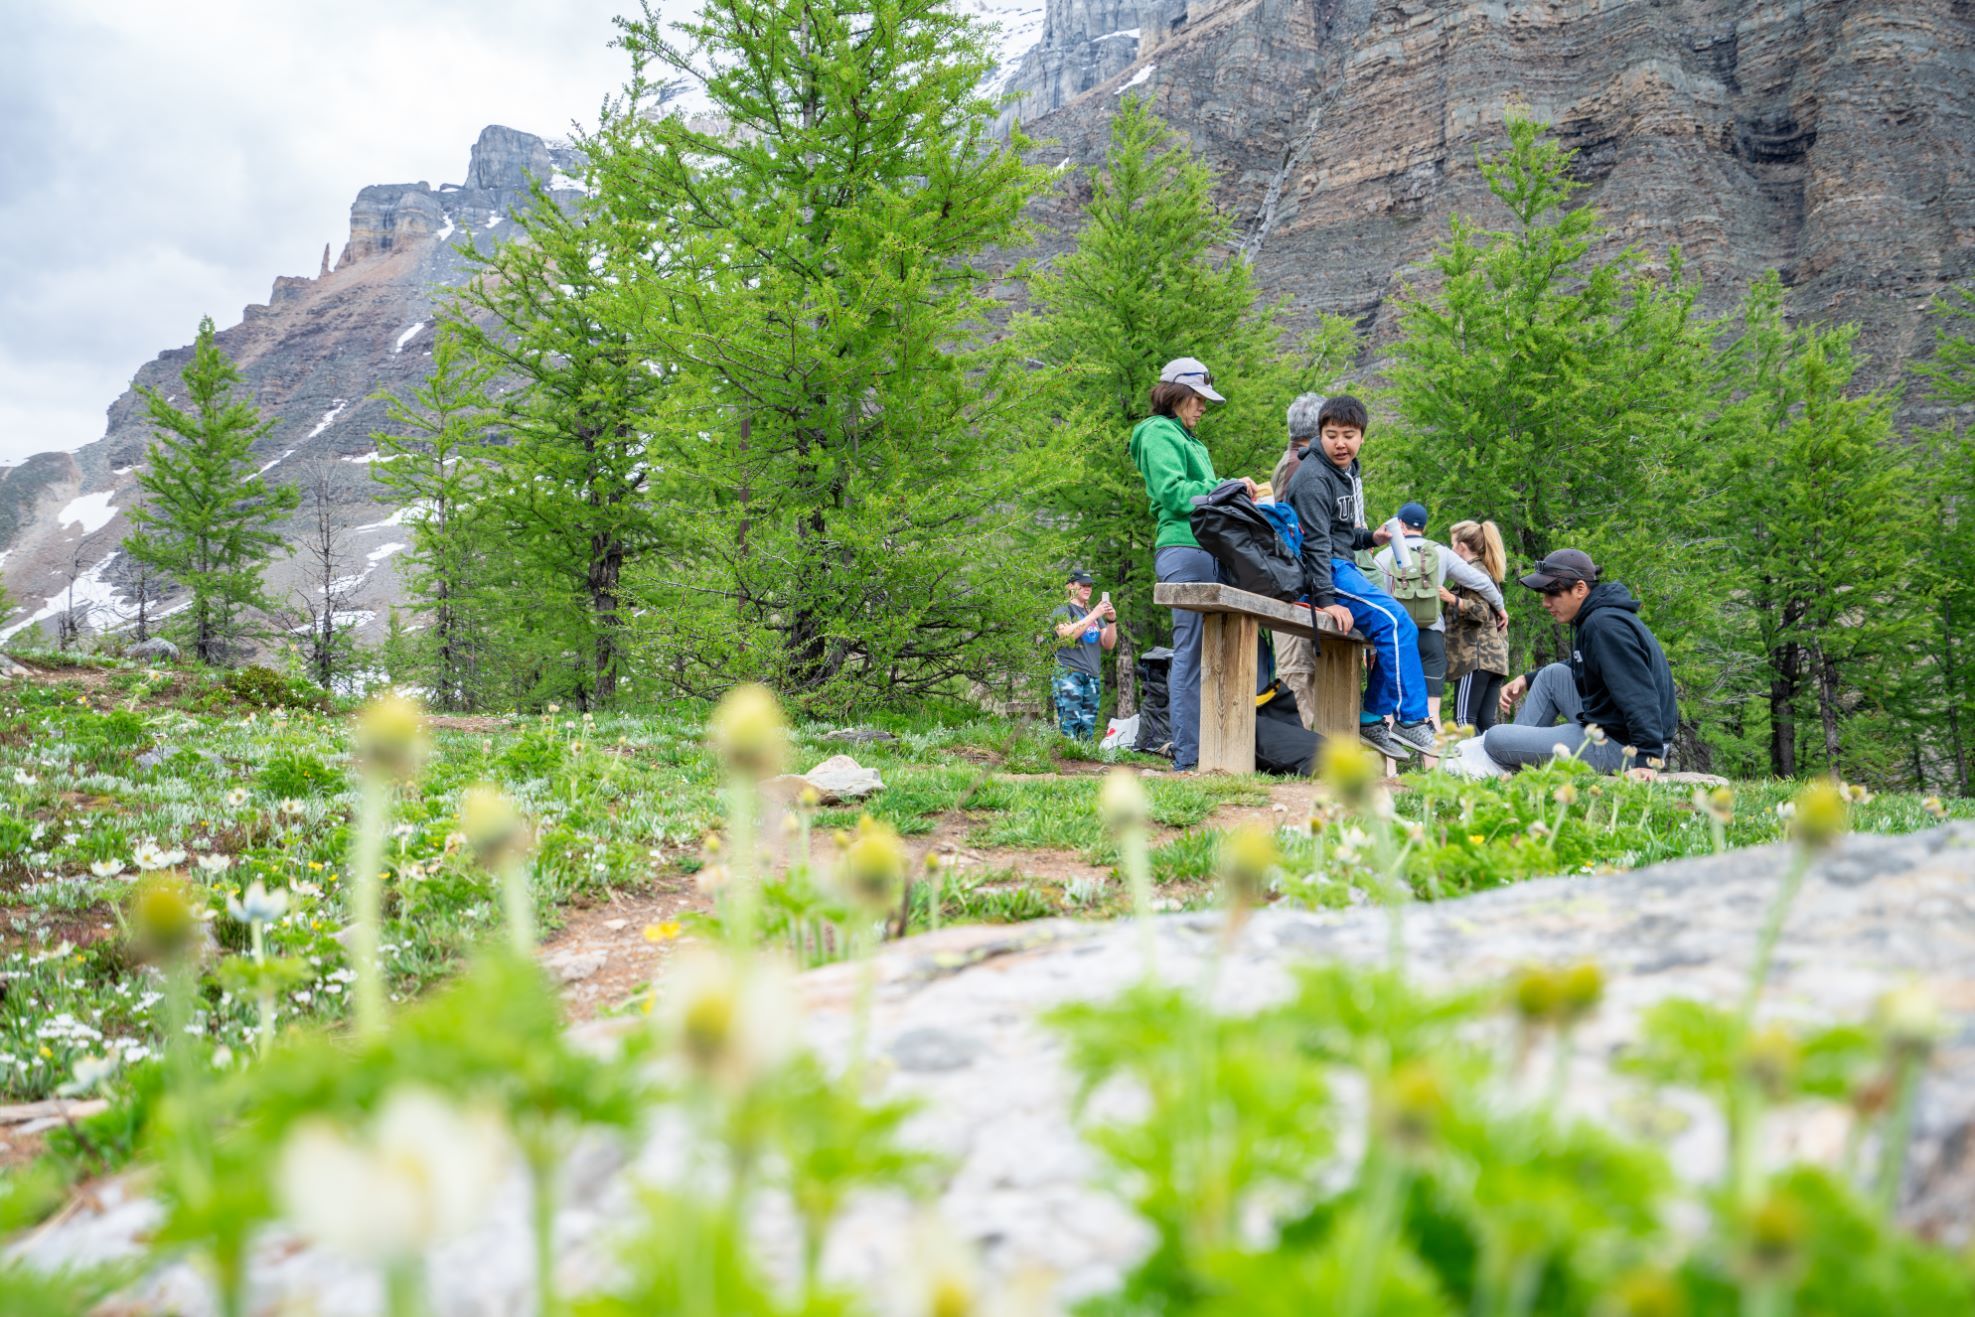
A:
(1783, 669)
(1953, 701)
(1827, 705)
(606, 567)
(1125, 675)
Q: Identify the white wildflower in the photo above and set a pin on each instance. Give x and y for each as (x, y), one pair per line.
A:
(257, 905)
(149, 855)
(106, 868)
(423, 1172)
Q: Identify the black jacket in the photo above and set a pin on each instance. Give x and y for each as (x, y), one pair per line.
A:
(1621, 673)
(1330, 504)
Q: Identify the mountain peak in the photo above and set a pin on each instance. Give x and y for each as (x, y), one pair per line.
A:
(504, 159)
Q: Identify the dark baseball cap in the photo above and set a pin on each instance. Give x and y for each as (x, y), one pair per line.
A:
(1561, 569)
(1414, 515)
(1078, 576)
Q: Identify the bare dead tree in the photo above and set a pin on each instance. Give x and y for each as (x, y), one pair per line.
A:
(73, 618)
(323, 595)
(144, 588)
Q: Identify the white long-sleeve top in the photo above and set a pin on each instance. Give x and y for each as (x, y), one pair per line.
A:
(1451, 564)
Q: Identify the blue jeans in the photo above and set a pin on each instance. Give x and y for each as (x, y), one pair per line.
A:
(1398, 684)
(1177, 563)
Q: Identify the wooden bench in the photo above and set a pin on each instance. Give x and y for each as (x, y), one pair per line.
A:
(1233, 619)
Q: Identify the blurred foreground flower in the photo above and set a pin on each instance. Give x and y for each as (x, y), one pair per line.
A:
(1122, 802)
(492, 826)
(391, 737)
(1350, 771)
(749, 732)
(163, 922)
(732, 1020)
(872, 873)
(1820, 815)
(1247, 855)
(423, 1171)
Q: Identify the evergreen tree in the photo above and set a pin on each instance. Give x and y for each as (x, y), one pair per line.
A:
(436, 465)
(208, 520)
(568, 500)
(1153, 277)
(853, 457)
(1816, 512)
(1950, 380)
(1558, 393)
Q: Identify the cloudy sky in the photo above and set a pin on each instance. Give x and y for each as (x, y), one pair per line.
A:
(165, 159)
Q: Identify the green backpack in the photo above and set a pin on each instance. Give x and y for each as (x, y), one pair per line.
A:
(1417, 588)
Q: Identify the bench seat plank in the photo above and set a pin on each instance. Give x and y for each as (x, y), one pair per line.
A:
(1213, 597)
(1230, 620)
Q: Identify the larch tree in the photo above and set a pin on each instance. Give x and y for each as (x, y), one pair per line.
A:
(856, 455)
(568, 491)
(208, 518)
(1558, 392)
(1154, 275)
(435, 463)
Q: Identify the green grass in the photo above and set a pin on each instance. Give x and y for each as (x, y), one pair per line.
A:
(101, 763)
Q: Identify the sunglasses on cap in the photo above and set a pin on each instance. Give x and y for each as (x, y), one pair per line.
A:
(1206, 377)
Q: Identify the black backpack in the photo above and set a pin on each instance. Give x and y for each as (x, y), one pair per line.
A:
(1155, 724)
(1244, 542)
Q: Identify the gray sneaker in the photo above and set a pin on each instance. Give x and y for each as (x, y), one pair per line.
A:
(1379, 737)
(1418, 735)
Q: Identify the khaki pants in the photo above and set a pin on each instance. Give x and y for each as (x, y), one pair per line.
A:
(1296, 668)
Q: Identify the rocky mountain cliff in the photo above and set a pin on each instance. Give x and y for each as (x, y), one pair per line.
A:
(313, 356)
(1833, 141)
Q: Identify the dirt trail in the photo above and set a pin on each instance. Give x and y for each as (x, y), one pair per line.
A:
(604, 960)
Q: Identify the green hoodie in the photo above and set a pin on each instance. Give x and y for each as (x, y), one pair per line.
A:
(1176, 467)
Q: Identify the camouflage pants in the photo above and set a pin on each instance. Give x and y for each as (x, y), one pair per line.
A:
(1076, 704)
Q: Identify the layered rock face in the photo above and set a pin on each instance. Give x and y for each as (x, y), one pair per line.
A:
(1832, 141)
(959, 1020)
(313, 357)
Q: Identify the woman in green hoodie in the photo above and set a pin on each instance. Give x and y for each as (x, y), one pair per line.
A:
(1177, 467)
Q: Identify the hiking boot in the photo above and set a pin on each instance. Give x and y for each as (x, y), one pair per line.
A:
(1379, 737)
(1419, 736)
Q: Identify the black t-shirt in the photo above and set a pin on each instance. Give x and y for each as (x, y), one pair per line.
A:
(1080, 655)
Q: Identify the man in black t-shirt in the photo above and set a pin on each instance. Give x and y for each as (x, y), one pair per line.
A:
(1086, 630)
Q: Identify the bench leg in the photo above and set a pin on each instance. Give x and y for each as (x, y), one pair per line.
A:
(1340, 688)
(1227, 693)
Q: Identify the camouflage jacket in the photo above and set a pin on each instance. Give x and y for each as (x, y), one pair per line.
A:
(1473, 641)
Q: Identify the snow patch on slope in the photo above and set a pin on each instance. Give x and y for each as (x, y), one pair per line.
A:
(409, 334)
(328, 418)
(93, 511)
(94, 598)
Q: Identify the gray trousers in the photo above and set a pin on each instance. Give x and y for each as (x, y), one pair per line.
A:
(1535, 734)
(1177, 563)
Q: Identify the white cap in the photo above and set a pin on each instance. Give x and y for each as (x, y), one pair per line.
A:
(1189, 371)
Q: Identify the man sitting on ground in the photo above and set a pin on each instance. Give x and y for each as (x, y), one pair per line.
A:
(1617, 680)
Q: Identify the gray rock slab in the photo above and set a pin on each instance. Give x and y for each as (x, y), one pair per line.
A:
(956, 1023)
